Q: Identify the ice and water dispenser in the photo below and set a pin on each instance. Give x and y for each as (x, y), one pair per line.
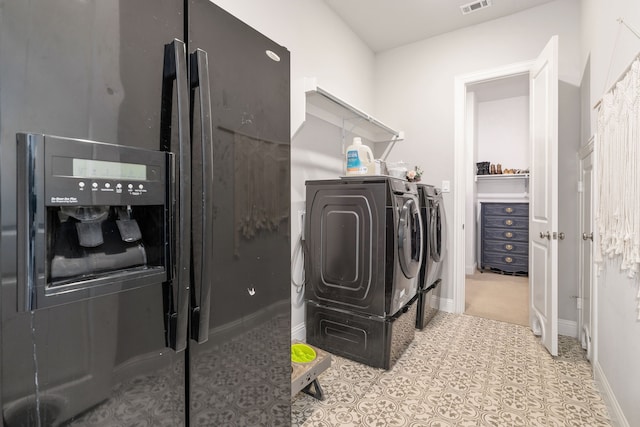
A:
(93, 219)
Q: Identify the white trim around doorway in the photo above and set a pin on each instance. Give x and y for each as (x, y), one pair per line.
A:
(463, 164)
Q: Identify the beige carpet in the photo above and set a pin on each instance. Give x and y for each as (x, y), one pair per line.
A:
(498, 297)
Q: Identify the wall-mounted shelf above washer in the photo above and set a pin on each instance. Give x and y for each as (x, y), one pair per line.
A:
(332, 109)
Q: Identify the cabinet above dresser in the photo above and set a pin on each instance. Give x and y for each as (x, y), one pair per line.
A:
(504, 237)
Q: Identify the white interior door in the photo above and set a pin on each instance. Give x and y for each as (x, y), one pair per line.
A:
(543, 205)
(586, 249)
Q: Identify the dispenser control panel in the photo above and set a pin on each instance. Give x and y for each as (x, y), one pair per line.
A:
(85, 173)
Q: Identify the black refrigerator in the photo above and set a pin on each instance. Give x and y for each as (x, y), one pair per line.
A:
(145, 211)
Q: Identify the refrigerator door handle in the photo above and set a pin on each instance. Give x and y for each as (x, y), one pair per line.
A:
(176, 295)
(203, 207)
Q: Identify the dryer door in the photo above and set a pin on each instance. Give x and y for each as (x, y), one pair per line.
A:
(410, 238)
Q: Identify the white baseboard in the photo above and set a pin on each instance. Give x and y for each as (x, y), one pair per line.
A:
(615, 412)
(444, 304)
(471, 269)
(299, 332)
(567, 328)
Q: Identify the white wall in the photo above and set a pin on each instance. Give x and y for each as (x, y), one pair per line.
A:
(611, 48)
(415, 83)
(503, 132)
(321, 46)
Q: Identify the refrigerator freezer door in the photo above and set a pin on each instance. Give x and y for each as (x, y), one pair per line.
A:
(87, 70)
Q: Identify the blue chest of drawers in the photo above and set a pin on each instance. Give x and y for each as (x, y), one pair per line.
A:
(504, 239)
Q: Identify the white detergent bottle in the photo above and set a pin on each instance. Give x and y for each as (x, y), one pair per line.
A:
(360, 159)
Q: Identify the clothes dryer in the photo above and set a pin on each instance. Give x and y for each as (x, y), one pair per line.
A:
(363, 243)
(363, 252)
(434, 251)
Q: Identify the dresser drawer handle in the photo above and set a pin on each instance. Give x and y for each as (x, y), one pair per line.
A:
(508, 234)
(508, 247)
(508, 210)
(509, 222)
(508, 259)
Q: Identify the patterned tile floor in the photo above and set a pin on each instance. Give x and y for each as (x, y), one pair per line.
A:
(461, 371)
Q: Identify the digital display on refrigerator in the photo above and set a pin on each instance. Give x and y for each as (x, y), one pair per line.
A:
(83, 168)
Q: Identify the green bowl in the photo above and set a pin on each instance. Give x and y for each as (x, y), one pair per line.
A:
(302, 353)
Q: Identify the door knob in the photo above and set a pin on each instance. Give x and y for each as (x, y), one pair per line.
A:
(586, 236)
(545, 234)
(559, 235)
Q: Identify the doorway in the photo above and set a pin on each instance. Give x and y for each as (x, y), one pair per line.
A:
(543, 201)
(497, 134)
(489, 96)
(497, 296)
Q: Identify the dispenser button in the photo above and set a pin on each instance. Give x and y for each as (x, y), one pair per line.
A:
(119, 186)
(107, 185)
(130, 186)
(81, 184)
(94, 185)
(140, 186)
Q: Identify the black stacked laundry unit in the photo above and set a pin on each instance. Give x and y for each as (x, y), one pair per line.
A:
(363, 246)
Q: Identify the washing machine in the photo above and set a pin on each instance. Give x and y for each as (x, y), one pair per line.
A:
(363, 252)
(434, 250)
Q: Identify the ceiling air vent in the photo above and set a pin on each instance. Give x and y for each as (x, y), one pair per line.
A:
(474, 6)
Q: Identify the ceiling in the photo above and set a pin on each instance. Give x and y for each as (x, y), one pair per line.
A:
(386, 24)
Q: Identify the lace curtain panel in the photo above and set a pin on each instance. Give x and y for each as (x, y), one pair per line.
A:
(617, 152)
